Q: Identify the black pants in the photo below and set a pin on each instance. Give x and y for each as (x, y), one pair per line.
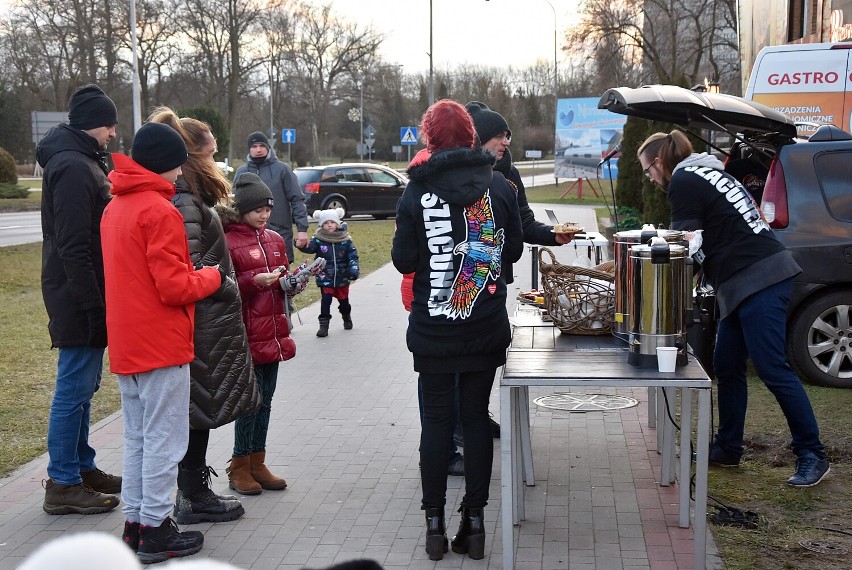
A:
(196, 452)
(438, 410)
(325, 305)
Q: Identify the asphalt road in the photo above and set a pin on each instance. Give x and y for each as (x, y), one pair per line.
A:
(20, 227)
(25, 227)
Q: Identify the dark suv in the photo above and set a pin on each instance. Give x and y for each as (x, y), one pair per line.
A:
(358, 188)
(807, 199)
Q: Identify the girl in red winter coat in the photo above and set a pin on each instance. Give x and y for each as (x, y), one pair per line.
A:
(260, 260)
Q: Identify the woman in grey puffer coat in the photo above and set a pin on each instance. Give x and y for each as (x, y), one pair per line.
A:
(222, 382)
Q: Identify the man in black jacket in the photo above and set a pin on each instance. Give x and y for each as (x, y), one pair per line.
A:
(495, 136)
(75, 191)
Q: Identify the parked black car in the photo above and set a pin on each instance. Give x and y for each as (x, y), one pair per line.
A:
(807, 199)
(358, 188)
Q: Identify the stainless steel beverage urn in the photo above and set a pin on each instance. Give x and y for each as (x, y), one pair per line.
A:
(623, 241)
(659, 296)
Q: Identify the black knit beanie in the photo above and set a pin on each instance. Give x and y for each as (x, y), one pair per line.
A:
(488, 123)
(250, 193)
(258, 137)
(158, 148)
(90, 108)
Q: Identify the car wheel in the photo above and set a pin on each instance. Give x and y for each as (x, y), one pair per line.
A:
(820, 340)
(336, 202)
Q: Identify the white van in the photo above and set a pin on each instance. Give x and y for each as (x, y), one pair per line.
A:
(812, 83)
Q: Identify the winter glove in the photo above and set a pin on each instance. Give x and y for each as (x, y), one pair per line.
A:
(315, 268)
(97, 327)
(293, 285)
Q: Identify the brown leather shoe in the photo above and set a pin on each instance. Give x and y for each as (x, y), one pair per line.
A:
(262, 475)
(239, 476)
(80, 499)
(102, 482)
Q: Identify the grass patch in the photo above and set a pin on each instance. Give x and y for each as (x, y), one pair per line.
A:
(787, 515)
(552, 193)
(28, 366)
(31, 183)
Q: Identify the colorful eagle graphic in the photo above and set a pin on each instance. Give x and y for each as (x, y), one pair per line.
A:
(482, 251)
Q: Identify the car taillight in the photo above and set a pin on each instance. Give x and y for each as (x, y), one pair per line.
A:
(311, 187)
(773, 206)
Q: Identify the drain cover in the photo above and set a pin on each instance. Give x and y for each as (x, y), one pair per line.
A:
(823, 546)
(571, 402)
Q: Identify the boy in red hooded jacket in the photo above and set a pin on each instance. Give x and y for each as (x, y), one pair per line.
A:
(151, 290)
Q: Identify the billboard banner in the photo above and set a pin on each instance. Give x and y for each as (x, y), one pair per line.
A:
(584, 135)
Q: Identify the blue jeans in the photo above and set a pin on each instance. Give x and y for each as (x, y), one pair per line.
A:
(250, 430)
(439, 401)
(758, 329)
(78, 377)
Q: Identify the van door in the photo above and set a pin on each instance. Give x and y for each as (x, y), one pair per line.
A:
(810, 83)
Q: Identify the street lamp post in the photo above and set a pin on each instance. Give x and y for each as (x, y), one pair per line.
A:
(135, 87)
(361, 116)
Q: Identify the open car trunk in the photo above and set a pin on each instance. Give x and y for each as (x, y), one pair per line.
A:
(696, 110)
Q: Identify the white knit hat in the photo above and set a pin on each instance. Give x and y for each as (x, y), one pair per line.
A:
(334, 215)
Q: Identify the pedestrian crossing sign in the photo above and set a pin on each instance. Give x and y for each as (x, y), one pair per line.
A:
(408, 135)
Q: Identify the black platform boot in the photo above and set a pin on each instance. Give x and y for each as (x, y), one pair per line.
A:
(436, 536)
(323, 328)
(471, 536)
(195, 502)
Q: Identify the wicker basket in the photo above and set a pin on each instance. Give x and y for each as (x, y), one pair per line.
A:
(580, 300)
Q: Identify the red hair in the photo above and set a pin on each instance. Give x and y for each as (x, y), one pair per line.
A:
(447, 124)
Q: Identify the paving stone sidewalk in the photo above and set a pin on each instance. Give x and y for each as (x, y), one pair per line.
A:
(345, 432)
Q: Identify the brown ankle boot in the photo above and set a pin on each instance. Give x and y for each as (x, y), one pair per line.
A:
(239, 476)
(261, 474)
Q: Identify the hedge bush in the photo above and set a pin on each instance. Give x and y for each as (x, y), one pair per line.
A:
(8, 174)
(12, 191)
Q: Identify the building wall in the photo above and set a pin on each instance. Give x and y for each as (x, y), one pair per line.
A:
(777, 22)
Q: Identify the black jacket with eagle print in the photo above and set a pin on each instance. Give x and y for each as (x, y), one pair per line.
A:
(457, 226)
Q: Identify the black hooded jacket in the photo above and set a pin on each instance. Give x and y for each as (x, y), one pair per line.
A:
(75, 191)
(457, 226)
(535, 232)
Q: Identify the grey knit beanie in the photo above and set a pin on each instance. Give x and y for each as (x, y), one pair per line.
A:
(250, 193)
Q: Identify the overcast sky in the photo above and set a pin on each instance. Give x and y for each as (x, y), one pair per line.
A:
(479, 32)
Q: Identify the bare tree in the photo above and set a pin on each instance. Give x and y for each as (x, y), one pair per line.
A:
(157, 45)
(219, 32)
(328, 56)
(278, 30)
(666, 41)
(54, 46)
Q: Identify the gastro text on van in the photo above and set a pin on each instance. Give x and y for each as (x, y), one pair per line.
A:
(803, 78)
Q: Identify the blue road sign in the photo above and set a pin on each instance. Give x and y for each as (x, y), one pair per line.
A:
(288, 136)
(408, 135)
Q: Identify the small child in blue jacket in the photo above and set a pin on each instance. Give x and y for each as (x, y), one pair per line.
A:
(332, 242)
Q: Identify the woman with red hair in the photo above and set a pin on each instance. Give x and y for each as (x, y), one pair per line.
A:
(457, 222)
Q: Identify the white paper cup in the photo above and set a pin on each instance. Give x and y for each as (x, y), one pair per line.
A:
(666, 358)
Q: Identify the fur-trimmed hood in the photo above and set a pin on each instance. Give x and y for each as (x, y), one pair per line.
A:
(457, 175)
(229, 214)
